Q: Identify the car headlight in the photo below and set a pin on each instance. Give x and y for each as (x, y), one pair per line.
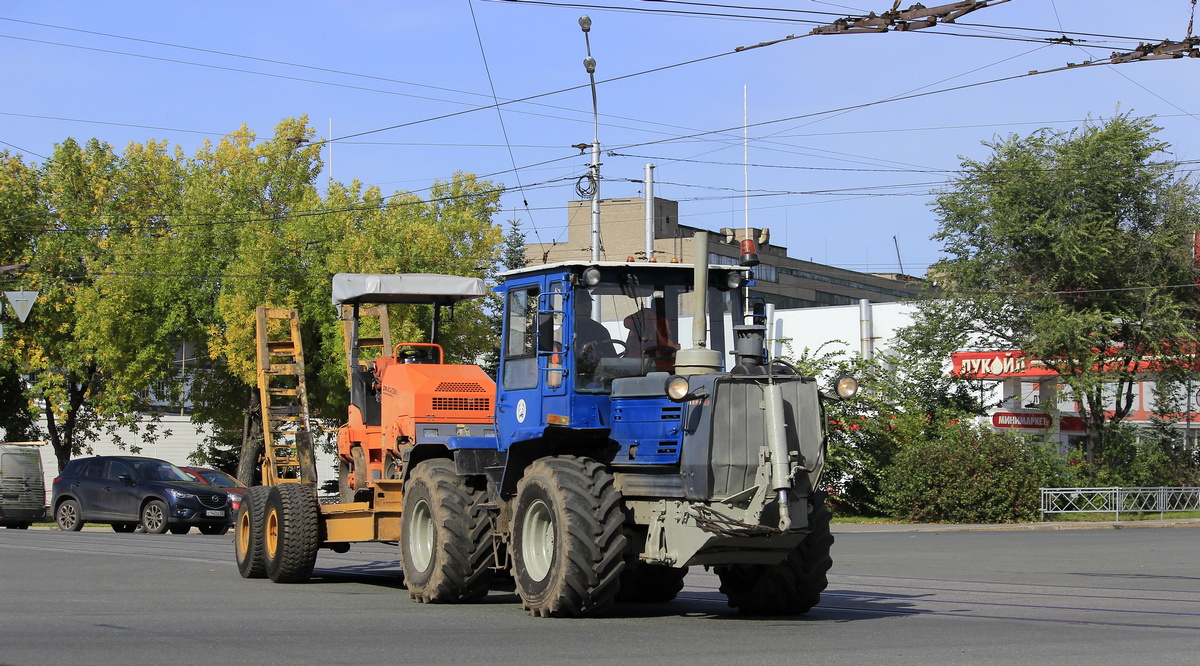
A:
(179, 494)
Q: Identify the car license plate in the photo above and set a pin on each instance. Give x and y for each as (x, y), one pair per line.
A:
(216, 513)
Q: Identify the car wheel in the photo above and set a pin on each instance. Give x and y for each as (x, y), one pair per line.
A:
(154, 517)
(180, 529)
(214, 529)
(124, 528)
(69, 516)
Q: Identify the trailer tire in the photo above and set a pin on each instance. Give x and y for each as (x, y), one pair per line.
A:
(292, 532)
(345, 492)
(248, 531)
(643, 583)
(445, 536)
(568, 545)
(791, 587)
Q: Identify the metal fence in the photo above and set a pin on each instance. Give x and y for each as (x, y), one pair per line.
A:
(1120, 500)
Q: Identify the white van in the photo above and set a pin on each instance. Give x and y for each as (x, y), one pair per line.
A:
(22, 485)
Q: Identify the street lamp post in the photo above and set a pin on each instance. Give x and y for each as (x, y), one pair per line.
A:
(589, 63)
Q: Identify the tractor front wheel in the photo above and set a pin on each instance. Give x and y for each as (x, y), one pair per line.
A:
(445, 536)
(567, 539)
(650, 583)
(791, 587)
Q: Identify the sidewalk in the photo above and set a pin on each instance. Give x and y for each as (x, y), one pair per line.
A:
(852, 528)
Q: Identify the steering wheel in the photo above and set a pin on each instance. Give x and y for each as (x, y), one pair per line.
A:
(590, 346)
(660, 351)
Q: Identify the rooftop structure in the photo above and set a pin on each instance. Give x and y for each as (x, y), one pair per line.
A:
(781, 280)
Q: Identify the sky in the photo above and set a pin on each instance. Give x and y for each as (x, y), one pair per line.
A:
(836, 143)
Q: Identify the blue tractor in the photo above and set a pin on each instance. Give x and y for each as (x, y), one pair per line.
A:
(622, 456)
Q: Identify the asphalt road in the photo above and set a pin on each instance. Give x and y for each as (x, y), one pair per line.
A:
(895, 597)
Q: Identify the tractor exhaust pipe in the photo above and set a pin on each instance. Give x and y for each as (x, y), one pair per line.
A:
(699, 359)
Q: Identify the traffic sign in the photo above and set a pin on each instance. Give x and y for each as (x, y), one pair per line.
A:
(21, 302)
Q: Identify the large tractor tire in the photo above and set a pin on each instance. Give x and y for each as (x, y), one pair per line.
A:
(567, 540)
(248, 531)
(791, 587)
(650, 583)
(445, 536)
(292, 532)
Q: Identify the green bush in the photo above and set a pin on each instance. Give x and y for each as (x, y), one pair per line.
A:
(969, 475)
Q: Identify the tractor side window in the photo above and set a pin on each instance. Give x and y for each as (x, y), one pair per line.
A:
(520, 345)
(551, 336)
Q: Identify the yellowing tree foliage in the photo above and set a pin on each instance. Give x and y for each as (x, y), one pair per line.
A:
(145, 252)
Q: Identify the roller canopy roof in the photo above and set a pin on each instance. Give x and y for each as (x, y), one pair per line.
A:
(405, 288)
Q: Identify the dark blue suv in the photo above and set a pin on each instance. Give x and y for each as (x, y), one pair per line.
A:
(128, 491)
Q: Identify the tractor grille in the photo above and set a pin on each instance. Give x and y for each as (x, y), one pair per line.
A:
(213, 501)
(462, 404)
(458, 387)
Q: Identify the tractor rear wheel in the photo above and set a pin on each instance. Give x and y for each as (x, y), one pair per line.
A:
(292, 534)
(248, 531)
(445, 536)
(791, 587)
(650, 583)
(567, 539)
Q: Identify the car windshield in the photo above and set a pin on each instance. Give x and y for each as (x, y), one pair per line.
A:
(219, 479)
(156, 470)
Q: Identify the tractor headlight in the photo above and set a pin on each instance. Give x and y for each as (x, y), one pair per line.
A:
(733, 280)
(591, 276)
(847, 387)
(677, 388)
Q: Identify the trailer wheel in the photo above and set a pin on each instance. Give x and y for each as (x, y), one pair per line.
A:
(292, 532)
(650, 583)
(248, 532)
(567, 539)
(791, 587)
(445, 536)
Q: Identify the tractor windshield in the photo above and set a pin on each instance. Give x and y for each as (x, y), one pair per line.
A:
(629, 329)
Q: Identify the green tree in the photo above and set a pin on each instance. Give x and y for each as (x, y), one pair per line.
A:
(1076, 248)
(140, 254)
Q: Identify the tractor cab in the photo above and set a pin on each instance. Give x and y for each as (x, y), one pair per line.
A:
(579, 335)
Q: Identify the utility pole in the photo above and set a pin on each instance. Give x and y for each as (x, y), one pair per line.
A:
(589, 63)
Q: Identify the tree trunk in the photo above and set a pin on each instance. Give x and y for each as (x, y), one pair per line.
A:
(249, 470)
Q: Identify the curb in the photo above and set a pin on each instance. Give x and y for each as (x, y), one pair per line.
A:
(867, 528)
